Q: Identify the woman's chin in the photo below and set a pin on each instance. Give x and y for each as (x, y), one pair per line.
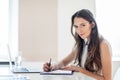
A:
(83, 37)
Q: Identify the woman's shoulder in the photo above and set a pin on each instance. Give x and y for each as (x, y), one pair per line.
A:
(104, 42)
(105, 45)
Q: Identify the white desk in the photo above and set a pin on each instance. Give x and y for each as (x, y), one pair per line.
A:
(117, 75)
(4, 71)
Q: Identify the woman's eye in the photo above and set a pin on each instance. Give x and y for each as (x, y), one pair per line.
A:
(75, 26)
(83, 25)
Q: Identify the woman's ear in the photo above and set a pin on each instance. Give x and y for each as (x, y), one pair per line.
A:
(92, 24)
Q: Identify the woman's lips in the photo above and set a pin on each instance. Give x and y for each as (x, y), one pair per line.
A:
(81, 34)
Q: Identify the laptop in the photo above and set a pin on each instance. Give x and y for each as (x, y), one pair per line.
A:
(20, 69)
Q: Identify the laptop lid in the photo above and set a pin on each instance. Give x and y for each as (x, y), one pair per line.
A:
(10, 58)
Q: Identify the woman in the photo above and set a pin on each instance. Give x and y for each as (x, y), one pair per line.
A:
(91, 52)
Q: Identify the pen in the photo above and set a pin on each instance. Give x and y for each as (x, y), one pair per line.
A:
(49, 64)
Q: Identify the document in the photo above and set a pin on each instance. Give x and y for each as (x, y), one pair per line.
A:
(57, 72)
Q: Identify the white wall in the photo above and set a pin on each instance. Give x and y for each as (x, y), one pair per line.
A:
(66, 8)
(38, 29)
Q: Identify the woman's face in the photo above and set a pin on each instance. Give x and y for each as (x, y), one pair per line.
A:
(82, 27)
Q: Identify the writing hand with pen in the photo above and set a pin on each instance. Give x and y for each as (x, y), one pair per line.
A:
(48, 66)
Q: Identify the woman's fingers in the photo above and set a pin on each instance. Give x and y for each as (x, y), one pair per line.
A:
(67, 68)
(71, 68)
(46, 67)
(52, 68)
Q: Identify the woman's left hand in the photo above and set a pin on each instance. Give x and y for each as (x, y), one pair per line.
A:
(72, 68)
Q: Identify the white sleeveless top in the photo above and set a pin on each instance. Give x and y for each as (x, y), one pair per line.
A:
(84, 54)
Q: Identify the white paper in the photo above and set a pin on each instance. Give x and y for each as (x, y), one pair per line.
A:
(57, 72)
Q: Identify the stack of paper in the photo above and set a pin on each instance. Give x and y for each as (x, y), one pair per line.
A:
(57, 72)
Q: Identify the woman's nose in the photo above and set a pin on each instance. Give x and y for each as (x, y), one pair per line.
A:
(79, 30)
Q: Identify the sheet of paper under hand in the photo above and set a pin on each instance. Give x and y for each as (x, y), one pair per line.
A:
(57, 72)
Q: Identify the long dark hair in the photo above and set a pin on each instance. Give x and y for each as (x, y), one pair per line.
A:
(93, 61)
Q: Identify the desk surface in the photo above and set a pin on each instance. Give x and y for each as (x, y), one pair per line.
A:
(4, 71)
(117, 75)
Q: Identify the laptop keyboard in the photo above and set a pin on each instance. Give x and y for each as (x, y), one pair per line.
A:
(20, 70)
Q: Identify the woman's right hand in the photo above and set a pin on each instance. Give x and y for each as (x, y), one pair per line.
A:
(48, 68)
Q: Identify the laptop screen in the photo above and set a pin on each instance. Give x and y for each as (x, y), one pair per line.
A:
(10, 58)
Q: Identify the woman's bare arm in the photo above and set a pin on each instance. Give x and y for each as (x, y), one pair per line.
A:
(106, 60)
